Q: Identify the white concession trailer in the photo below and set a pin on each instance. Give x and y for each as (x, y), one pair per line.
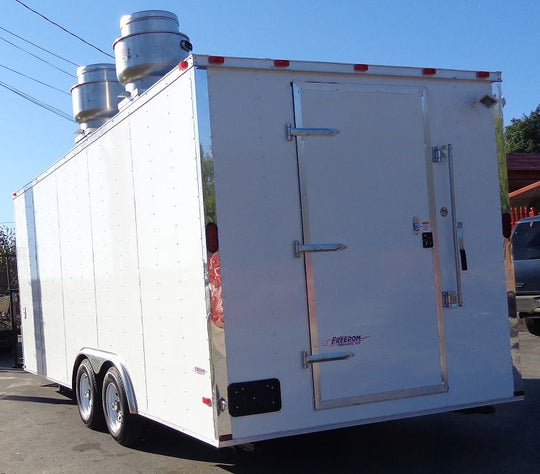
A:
(255, 248)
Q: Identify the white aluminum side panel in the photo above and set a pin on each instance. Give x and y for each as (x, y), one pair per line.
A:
(118, 299)
(50, 279)
(169, 231)
(479, 357)
(263, 284)
(26, 268)
(120, 257)
(77, 257)
(258, 206)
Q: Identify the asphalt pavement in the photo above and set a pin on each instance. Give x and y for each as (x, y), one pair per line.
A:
(40, 432)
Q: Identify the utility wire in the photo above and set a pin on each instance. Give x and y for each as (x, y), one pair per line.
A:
(34, 79)
(38, 46)
(37, 57)
(38, 102)
(62, 28)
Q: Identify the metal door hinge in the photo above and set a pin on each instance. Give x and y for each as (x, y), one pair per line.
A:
(297, 132)
(328, 357)
(449, 299)
(299, 248)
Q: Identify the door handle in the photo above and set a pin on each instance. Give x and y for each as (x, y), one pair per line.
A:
(457, 228)
(462, 252)
(303, 248)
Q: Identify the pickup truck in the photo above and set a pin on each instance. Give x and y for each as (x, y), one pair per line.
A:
(526, 252)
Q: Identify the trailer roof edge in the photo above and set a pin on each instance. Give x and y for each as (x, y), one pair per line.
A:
(343, 68)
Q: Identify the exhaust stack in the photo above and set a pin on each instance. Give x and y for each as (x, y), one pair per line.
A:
(95, 97)
(150, 46)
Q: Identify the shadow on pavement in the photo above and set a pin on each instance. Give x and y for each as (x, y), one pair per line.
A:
(30, 399)
(471, 442)
(434, 443)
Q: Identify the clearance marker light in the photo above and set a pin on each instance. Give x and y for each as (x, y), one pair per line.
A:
(429, 71)
(216, 59)
(183, 65)
(282, 63)
(360, 67)
(482, 74)
(207, 401)
(212, 240)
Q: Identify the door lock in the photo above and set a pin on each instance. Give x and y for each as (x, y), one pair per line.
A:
(427, 240)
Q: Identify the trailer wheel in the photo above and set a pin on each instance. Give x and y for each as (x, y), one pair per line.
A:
(122, 425)
(88, 396)
(533, 325)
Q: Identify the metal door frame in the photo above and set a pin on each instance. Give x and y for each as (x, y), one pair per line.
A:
(308, 260)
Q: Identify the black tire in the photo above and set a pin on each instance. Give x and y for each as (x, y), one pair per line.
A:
(533, 325)
(88, 396)
(123, 426)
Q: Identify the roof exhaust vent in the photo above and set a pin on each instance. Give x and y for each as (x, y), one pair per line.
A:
(150, 46)
(95, 97)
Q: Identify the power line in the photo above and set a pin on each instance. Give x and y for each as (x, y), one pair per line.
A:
(38, 46)
(62, 28)
(34, 79)
(37, 57)
(38, 102)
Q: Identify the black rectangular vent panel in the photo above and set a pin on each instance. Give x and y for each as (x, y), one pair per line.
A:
(252, 398)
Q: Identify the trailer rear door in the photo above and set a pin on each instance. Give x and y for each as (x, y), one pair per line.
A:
(375, 317)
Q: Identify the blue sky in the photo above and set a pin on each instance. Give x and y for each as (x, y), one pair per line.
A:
(458, 34)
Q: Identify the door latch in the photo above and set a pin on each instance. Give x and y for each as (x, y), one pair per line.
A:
(439, 153)
(427, 240)
(449, 299)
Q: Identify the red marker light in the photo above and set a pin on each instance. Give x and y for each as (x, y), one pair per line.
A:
(282, 63)
(482, 74)
(216, 59)
(212, 240)
(360, 67)
(429, 71)
(14, 195)
(207, 401)
(183, 65)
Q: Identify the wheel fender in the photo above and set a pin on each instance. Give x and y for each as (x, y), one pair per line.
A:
(98, 359)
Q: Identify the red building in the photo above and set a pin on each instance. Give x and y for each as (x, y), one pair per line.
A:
(524, 184)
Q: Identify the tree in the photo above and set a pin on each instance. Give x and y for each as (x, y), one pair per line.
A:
(8, 263)
(209, 188)
(523, 135)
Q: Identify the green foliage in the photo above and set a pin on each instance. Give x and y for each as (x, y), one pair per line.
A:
(523, 135)
(209, 189)
(7, 241)
(501, 158)
(8, 263)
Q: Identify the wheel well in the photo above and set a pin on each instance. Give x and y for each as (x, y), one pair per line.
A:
(100, 371)
(101, 362)
(103, 370)
(76, 364)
